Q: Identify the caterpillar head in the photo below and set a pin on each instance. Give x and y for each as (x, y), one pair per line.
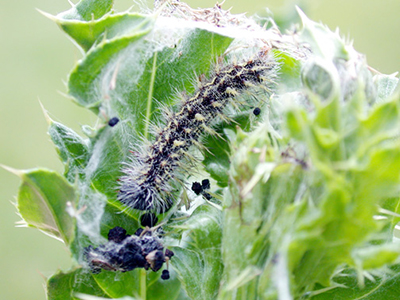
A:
(137, 196)
(143, 197)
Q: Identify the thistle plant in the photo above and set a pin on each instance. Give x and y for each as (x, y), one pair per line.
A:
(301, 179)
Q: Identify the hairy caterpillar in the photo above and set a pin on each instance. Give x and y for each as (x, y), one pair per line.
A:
(145, 184)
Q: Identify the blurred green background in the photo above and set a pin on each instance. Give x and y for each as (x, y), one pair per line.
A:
(35, 60)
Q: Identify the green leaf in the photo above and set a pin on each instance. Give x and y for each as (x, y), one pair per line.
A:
(379, 179)
(385, 86)
(322, 41)
(114, 215)
(110, 27)
(165, 289)
(71, 148)
(382, 287)
(96, 218)
(377, 256)
(107, 150)
(89, 297)
(198, 260)
(319, 79)
(380, 125)
(88, 69)
(87, 10)
(289, 72)
(217, 156)
(261, 188)
(42, 201)
(117, 285)
(65, 286)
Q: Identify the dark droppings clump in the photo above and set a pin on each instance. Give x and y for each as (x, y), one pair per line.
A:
(205, 183)
(165, 275)
(256, 111)
(117, 234)
(113, 121)
(207, 196)
(197, 188)
(200, 188)
(124, 252)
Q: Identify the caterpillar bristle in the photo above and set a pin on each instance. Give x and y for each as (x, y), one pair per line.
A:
(151, 179)
(211, 131)
(225, 118)
(191, 159)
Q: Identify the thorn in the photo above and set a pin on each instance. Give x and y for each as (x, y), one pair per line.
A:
(42, 275)
(19, 173)
(47, 15)
(302, 16)
(65, 95)
(46, 114)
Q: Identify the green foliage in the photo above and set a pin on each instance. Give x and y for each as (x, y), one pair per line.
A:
(88, 10)
(64, 286)
(198, 258)
(43, 198)
(306, 194)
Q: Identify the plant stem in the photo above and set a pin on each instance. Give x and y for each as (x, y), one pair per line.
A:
(142, 284)
(150, 95)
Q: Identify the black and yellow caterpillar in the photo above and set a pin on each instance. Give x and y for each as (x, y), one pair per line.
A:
(145, 185)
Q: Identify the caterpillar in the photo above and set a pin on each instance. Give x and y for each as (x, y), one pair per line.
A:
(145, 185)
